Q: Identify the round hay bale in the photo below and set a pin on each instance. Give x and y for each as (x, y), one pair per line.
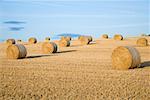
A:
(10, 41)
(62, 38)
(80, 37)
(125, 57)
(142, 42)
(19, 40)
(32, 40)
(49, 47)
(118, 37)
(105, 36)
(90, 38)
(16, 51)
(68, 38)
(143, 35)
(47, 39)
(84, 40)
(64, 43)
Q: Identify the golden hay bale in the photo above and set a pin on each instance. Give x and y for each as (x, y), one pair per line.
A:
(19, 40)
(47, 39)
(10, 41)
(143, 35)
(49, 47)
(125, 57)
(105, 36)
(62, 37)
(142, 42)
(32, 40)
(118, 37)
(16, 51)
(84, 40)
(68, 38)
(80, 37)
(64, 43)
(90, 38)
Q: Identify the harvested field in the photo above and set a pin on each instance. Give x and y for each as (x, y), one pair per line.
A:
(74, 73)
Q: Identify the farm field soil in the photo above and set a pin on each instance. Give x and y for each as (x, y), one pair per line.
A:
(74, 73)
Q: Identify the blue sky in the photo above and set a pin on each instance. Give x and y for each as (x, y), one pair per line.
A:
(41, 18)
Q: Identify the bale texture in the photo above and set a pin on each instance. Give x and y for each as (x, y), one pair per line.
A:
(10, 41)
(16, 51)
(84, 40)
(125, 57)
(142, 42)
(105, 36)
(32, 40)
(49, 47)
(64, 43)
(118, 37)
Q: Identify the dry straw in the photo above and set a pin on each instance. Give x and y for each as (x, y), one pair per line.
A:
(125, 57)
(32, 40)
(64, 43)
(49, 47)
(105, 36)
(142, 42)
(10, 41)
(118, 37)
(16, 51)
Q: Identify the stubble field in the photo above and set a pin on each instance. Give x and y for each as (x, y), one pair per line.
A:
(74, 73)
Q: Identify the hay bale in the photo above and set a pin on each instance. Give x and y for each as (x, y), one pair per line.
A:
(105, 36)
(84, 40)
(125, 57)
(16, 51)
(80, 37)
(142, 42)
(49, 47)
(64, 43)
(62, 38)
(143, 35)
(90, 38)
(32, 40)
(47, 39)
(10, 41)
(118, 37)
(68, 38)
(19, 40)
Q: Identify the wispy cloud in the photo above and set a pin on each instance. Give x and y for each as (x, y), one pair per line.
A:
(16, 28)
(14, 22)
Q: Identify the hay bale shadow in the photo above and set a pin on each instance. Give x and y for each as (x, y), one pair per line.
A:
(36, 56)
(145, 64)
(67, 51)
